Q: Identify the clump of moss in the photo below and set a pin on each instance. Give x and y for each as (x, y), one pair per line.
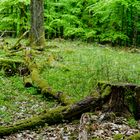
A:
(105, 91)
(118, 136)
(134, 137)
(132, 123)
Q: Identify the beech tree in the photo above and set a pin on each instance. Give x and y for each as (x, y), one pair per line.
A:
(37, 32)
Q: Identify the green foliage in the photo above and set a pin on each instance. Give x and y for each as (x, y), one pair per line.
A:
(134, 137)
(14, 15)
(118, 137)
(112, 21)
(76, 68)
(132, 122)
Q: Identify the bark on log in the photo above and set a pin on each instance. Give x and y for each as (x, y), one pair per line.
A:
(53, 116)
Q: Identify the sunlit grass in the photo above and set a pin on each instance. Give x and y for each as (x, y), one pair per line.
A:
(76, 69)
(83, 65)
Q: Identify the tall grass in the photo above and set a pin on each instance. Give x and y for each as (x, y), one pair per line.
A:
(76, 70)
(86, 64)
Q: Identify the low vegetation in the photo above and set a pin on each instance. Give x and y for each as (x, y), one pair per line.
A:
(72, 67)
(112, 21)
(61, 59)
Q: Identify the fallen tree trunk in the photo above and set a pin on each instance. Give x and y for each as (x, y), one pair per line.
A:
(42, 84)
(53, 116)
(11, 66)
(46, 90)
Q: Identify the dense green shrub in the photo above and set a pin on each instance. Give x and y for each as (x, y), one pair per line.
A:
(104, 21)
(14, 16)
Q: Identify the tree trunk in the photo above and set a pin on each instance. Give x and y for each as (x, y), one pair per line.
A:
(37, 33)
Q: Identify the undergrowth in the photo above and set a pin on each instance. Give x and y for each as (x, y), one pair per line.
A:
(79, 66)
(18, 102)
(72, 67)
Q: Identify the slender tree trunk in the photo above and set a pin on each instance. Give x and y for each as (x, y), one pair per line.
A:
(37, 35)
(135, 31)
(122, 26)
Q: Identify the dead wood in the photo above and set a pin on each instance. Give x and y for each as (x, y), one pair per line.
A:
(118, 98)
(45, 89)
(42, 84)
(123, 99)
(15, 46)
(53, 116)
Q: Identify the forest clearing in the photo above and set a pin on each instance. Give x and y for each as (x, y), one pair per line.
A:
(69, 70)
(74, 68)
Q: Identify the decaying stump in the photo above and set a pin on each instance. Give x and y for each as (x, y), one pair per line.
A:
(123, 99)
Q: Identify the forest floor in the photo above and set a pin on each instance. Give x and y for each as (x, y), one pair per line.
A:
(73, 67)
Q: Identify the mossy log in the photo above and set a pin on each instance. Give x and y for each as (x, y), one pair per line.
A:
(11, 66)
(46, 90)
(42, 84)
(53, 116)
(124, 99)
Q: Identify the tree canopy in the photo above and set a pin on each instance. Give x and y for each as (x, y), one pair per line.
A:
(103, 21)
